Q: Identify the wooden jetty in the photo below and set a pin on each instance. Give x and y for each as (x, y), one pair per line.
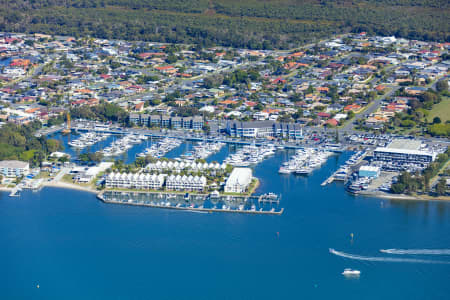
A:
(15, 192)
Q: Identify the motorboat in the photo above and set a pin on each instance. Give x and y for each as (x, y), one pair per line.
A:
(303, 171)
(351, 272)
(284, 170)
(271, 196)
(214, 195)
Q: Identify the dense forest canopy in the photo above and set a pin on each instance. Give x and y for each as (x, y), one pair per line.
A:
(250, 23)
(19, 142)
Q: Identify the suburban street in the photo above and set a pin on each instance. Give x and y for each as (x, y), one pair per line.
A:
(372, 108)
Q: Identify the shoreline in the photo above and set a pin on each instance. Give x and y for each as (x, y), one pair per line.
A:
(66, 185)
(5, 189)
(404, 197)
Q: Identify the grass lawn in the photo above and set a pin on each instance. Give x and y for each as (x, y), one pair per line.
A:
(67, 178)
(441, 110)
(43, 175)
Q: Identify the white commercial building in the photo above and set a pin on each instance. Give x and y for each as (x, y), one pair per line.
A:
(369, 171)
(135, 181)
(85, 175)
(239, 180)
(403, 154)
(14, 168)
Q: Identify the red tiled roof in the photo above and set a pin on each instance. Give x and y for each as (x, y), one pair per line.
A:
(323, 115)
(164, 68)
(333, 122)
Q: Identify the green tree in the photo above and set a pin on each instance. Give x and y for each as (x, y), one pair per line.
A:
(398, 188)
(63, 159)
(442, 86)
(441, 187)
(437, 120)
(53, 145)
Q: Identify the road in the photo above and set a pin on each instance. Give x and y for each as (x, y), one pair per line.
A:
(433, 86)
(51, 130)
(61, 174)
(372, 108)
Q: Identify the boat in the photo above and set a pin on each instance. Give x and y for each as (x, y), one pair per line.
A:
(271, 196)
(214, 195)
(350, 272)
(303, 171)
(284, 170)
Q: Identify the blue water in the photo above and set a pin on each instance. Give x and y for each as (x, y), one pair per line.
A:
(5, 62)
(76, 247)
(130, 155)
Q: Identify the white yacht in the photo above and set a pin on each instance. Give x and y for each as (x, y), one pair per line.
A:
(161, 148)
(285, 170)
(303, 171)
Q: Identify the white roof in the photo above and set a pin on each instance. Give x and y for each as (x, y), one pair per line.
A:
(369, 168)
(13, 164)
(403, 151)
(240, 176)
(58, 154)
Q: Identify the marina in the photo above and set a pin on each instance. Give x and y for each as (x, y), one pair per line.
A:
(305, 161)
(250, 155)
(346, 169)
(88, 139)
(160, 148)
(202, 150)
(214, 202)
(121, 145)
(183, 150)
(189, 239)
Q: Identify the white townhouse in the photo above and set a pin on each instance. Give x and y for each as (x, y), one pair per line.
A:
(185, 183)
(178, 166)
(135, 181)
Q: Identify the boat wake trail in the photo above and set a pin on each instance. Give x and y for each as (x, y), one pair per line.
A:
(416, 251)
(386, 259)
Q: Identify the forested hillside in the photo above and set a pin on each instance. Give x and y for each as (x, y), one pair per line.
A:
(249, 23)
